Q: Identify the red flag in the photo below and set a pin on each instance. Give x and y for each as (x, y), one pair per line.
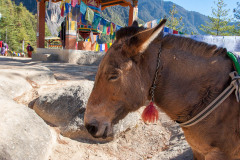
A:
(62, 11)
(175, 32)
(74, 3)
(106, 47)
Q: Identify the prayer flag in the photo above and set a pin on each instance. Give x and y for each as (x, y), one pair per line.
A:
(154, 23)
(62, 11)
(118, 27)
(89, 15)
(96, 20)
(166, 29)
(91, 37)
(175, 32)
(73, 25)
(83, 19)
(108, 30)
(67, 7)
(97, 47)
(74, 3)
(109, 45)
(83, 7)
(102, 47)
(111, 29)
(104, 29)
(106, 47)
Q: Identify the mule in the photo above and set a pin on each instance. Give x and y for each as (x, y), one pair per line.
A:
(191, 75)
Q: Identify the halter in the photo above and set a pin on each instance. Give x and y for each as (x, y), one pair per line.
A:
(234, 85)
(156, 75)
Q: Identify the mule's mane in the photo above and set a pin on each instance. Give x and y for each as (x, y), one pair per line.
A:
(128, 31)
(195, 47)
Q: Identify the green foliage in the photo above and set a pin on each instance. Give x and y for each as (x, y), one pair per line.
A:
(173, 22)
(218, 24)
(236, 12)
(17, 24)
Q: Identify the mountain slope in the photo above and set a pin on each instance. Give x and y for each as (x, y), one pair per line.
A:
(157, 9)
(31, 5)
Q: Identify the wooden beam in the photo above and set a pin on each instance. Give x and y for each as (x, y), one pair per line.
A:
(133, 14)
(41, 24)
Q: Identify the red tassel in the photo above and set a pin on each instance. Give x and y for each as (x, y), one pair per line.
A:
(150, 113)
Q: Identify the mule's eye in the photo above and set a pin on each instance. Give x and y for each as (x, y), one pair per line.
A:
(113, 77)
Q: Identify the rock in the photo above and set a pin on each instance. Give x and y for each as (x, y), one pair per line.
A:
(13, 84)
(24, 135)
(90, 58)
(61, 105)
(18, 80)
(38, 74)
(64, 107)
(76, 130)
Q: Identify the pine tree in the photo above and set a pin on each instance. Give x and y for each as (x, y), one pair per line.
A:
(236, 12)
(17, 24)
(218, 24)
(174, 22)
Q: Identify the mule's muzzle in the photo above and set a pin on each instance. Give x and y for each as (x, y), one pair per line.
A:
(98, 131)
(92, 129)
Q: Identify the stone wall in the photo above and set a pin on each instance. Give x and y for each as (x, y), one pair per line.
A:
(68, 56)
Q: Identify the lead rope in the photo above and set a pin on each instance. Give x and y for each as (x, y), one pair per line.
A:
(150, 113)
(214, 104)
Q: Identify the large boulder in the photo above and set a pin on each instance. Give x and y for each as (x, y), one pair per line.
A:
(24, 135)
(64, 107)
(61, 105)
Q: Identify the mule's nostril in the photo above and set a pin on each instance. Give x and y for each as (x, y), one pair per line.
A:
(92, 129)
(105, 133)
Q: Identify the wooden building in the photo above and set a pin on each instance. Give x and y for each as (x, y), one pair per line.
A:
(70, 37)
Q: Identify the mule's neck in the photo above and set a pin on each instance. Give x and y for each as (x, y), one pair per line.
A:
(188, 83)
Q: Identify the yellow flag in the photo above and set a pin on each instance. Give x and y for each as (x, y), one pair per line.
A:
(97, 47)
(73, 25)
(111, 29)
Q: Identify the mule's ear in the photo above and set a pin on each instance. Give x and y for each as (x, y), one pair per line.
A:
(135, 24)
(139, 42)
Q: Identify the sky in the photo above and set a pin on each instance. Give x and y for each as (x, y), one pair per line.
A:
(204, 6)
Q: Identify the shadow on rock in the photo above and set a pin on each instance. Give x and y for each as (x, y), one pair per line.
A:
(187, 155)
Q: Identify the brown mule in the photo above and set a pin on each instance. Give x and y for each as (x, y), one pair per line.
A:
(192, 74)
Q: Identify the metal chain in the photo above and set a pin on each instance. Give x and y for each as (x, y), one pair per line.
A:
(156, 75)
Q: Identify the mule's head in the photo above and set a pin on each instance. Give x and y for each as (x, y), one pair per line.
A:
(119, 86)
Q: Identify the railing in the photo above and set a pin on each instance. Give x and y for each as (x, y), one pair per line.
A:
(55, 46)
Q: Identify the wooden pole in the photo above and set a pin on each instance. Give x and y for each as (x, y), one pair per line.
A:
(41, 24)
(133, 14)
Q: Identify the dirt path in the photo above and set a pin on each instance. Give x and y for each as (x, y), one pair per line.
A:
(161, 141)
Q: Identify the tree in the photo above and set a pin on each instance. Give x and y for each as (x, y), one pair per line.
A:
(173, 22)
(236, 12)
(17, 24)
(218, 24)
